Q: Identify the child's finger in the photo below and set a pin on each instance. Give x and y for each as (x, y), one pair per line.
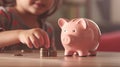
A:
(46, 39)
(28, 42)
(34, 41)
(40, 38)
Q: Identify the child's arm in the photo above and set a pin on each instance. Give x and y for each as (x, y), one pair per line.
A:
(34, 37)
(9, 37)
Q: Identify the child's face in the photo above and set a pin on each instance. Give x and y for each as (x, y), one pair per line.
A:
(35, 7)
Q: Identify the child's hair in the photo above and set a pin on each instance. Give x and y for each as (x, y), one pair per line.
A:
(42, 17)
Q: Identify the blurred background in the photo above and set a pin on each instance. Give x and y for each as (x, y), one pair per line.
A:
(106, 13)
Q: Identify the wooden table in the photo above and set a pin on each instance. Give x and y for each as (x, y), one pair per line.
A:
(103, 59)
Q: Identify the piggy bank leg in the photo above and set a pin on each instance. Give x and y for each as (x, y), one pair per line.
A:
(82, 53)
(93, 53)
(68, 53)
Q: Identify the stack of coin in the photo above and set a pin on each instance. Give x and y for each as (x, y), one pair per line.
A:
(43, 52)
(52, 53)
(47, 53)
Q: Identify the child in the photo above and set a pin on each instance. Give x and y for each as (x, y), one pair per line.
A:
(23, 24)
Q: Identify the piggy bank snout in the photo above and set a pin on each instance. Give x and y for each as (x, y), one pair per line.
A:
(66, 39)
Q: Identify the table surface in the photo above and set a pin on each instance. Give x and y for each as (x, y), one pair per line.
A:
(103, 59)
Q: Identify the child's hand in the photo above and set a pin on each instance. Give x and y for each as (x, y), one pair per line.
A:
(34, 37)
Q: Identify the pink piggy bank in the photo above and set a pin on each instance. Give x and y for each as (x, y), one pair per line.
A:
(79, 36)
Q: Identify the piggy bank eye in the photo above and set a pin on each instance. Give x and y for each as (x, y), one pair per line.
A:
(65, 30)
(73, 30)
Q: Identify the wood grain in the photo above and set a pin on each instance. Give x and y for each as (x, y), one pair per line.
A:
(103, 59)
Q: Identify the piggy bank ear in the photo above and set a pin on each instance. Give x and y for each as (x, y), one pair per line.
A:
(82, 22)
(61, 22)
